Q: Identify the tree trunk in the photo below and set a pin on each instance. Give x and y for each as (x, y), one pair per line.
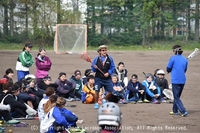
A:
(196, 38)
(26, 21)
(5, 22)
(93, 18)
(35, 20)
(144, 37)
(102, 17)
(188, 28)
(162, 26)
(175, 21)
(58, 12)
(12, 6)
(153, 27)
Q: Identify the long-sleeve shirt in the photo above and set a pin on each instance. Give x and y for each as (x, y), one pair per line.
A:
(43, 65)
(24, 61)
(64, 86)
(54, 115)
(13, 101)
(177, 66)
(105, 64)
(134, 87)
(148, 85)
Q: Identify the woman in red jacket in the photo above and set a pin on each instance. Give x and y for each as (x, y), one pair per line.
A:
(43, 65)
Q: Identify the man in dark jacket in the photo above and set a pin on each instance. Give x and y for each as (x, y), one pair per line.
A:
(104, 67)
(65, 87)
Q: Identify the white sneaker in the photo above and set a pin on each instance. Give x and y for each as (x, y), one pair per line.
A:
(69, 99)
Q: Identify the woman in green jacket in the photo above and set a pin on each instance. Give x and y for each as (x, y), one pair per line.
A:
(24, 61)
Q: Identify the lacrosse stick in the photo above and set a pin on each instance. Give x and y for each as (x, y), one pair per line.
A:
(87, 58)
(168, 93)
(194, 53)
(144, 74)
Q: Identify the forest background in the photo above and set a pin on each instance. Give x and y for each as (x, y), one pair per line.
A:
(120, 23)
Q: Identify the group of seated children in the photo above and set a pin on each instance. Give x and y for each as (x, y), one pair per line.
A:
(150, 90)
(15, 98)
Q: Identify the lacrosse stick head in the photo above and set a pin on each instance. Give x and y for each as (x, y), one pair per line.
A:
(194, 53)
(86, 57)
(168, 93)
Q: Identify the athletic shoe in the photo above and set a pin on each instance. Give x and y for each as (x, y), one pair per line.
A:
(185, 114)
(154, 101)
(96, 106)
(162, 100)
(140, 101)
(172, 113)
(120, 101)
(69, 99)
(103, 101)
(13, 121)
(124, 101)
(133, 102)
(77, 99)
(146, 101)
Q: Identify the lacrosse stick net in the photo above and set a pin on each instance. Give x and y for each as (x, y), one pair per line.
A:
(85, 56)
(168, 93)
(194, 53)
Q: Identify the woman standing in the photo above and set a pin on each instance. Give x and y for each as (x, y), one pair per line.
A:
(177, 67)
(43, 65)
(24, 61)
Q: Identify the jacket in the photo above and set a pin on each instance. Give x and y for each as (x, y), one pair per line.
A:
(24, 61)
(79, 83)
(118, 93)
(44, 86)
(105, 64)
(69, 116)
(148, 85)
(162, 83)
(134, 87)
(177, 66)
(64, 86)
(13, 101)
(122, 76)
(43, 65)
(54, 115)
(41, 113)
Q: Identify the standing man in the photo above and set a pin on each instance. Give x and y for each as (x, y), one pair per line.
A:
(104, 67)
(177, 66)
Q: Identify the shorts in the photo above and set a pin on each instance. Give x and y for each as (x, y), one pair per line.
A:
(106, 83)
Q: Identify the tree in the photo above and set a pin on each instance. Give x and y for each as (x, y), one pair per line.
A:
(197, 21)
(58, 12)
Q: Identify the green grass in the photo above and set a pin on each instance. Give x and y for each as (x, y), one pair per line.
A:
(15, 46)
(160, 46)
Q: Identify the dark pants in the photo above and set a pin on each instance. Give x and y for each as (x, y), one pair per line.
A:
(17, 112)
(77, 94)
(106, 83)
(178, 105)
(138, 96)
(154, 92)
(5, 114)
(113, 98)
(67, 95)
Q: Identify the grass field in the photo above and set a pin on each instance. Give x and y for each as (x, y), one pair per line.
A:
(158, 46)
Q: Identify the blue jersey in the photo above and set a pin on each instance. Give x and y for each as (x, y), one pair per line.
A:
(177, 65)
